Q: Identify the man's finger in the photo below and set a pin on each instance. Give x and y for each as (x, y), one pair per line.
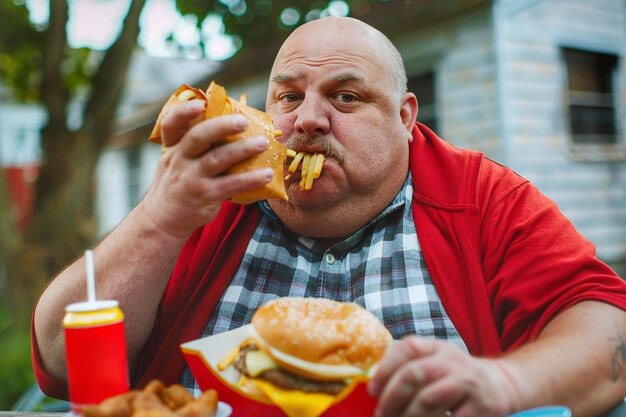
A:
(399, 391)
(222, 188)
(200, 138)
(400, 353)
(222, 157)
(441, 397)
(177, 121)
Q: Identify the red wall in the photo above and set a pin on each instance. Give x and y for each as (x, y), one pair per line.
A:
(20, 181)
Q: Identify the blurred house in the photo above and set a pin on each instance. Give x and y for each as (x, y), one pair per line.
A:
(19, 155)
(538, 85)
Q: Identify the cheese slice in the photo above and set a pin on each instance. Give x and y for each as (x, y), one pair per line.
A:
(295, 403)
(258, 362)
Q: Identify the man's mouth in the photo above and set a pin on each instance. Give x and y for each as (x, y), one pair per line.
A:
(305, 165)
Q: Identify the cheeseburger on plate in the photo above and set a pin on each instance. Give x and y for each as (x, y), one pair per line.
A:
(305, 351)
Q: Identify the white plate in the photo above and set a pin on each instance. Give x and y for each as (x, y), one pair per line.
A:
(223, 409)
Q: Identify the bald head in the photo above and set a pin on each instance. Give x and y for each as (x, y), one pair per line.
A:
(338, 87)
(345, 34)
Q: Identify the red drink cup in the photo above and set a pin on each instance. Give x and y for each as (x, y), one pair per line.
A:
(95, 349)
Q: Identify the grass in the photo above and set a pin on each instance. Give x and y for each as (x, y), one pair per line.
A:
(16, 373)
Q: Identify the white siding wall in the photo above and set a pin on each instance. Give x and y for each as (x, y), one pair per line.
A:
(592, 195)
(462, 53)
(500, 80)
(20, 137)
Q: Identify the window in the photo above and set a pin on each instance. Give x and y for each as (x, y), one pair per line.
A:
(423, 86)
(591, 102)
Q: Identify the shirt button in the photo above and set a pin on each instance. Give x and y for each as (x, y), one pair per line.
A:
(330, 259)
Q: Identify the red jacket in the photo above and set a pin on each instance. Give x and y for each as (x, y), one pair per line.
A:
(503, 258)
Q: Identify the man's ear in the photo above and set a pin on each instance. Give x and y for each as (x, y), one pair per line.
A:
(408, 112)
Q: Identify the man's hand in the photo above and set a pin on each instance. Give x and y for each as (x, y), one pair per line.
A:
(430, 378)
(189, 186)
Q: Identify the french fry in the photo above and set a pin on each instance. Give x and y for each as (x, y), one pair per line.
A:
(310, 172)
(319, 163)
(228, 359)
(296, 161)
(305, 163)
(310, 169)
(304, 169)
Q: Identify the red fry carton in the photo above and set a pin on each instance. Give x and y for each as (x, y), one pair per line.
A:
(202, 356)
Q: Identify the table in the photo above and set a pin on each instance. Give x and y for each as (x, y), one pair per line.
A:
(618, 411)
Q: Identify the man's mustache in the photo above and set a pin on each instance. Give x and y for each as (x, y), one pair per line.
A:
(322, 143)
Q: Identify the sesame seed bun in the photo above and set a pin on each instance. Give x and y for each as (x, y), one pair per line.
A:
(320, 338)
(218, 103)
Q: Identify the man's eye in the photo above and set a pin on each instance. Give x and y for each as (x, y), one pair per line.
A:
(289, 98)
(346, 98)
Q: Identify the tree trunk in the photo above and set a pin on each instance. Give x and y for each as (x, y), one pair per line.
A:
(63, 223)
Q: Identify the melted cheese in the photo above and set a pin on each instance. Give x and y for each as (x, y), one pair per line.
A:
(258, 362)
(295, 403)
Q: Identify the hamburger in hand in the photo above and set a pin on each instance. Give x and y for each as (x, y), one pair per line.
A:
(305, 351)
(218, 103)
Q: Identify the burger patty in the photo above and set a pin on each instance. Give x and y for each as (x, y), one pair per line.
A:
(288, 380)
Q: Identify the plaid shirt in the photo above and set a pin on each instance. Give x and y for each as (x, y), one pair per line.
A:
(379, 267)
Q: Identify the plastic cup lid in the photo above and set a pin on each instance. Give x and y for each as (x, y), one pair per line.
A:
(91, 306)
(547, 411)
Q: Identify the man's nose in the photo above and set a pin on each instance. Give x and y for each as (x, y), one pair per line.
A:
(313, 117)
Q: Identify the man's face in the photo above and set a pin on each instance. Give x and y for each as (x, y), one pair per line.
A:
(331, 91)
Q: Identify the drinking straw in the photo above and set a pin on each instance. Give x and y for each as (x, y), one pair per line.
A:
(91, 280)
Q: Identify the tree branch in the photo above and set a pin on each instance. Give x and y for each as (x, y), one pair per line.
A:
(108, 82)
(53, 92)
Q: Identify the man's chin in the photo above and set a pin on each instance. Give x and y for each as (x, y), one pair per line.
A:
(316, 201)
